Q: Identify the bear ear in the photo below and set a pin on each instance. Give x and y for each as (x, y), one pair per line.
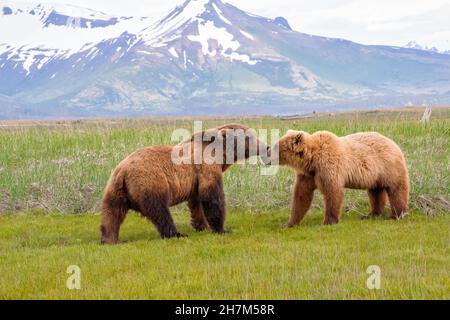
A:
(298, 139)
(297, 142)
(235, 132)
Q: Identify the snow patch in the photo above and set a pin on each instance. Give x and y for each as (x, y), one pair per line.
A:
(247, 35)
(144, 52)
(241, 57)
(42, 62)
(228, 46)
(27, 63)
(208, 31)
(180, 16)
(173, 52)
(220, 14)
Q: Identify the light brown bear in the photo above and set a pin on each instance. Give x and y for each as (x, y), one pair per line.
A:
(149, 181)
(330, 163)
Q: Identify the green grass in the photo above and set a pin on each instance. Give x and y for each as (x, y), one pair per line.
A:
(259, 260)
(49, 171)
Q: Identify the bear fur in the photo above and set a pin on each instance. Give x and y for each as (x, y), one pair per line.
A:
(148, 181)
(330, 163)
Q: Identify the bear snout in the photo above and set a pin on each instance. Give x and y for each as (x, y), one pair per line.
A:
(264, 153)
(272, 156)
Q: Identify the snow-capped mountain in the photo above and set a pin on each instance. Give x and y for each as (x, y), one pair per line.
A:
(38, 33)
(418, 46)
(204, 57)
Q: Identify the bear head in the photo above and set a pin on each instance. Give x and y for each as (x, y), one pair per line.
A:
(293, 150)
(228, 144)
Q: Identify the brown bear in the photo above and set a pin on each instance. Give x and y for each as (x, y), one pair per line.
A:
(330, 163)
(150, 181)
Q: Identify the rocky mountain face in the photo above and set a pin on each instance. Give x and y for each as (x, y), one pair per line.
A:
(204, 57)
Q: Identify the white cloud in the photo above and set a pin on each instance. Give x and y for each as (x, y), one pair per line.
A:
(392, 22)
(440, 39)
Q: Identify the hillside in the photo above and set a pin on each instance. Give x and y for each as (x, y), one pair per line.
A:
(204, 57)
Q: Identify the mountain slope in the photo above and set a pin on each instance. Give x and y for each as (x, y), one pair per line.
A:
(204, 57)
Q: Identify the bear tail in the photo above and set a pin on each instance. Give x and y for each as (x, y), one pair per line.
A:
(114, 209)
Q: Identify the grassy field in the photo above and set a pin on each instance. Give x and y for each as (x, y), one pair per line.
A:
(51, 172)
(259, 260)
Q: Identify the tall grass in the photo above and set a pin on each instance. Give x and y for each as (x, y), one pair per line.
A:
(63, 166)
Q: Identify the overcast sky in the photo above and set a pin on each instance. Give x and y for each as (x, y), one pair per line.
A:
(391, 22)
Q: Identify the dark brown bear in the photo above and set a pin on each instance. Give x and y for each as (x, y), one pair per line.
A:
(150, 182)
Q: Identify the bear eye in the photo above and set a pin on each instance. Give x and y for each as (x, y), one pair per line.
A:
(301, 154)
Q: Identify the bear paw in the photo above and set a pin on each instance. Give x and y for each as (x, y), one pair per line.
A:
(199, 227)
(329, 221)
(289, 225)
(182, 235)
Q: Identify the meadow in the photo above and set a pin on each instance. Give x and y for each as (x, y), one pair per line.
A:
(52, 174)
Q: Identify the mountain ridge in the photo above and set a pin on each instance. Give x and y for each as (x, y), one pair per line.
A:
(203, 57)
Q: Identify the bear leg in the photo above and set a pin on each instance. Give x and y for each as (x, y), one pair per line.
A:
(198, 220)
(301, 198)
(114, 210)
(378, 199)
(157, 211)
(398, 198)
(213, 203)
(334, 197)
